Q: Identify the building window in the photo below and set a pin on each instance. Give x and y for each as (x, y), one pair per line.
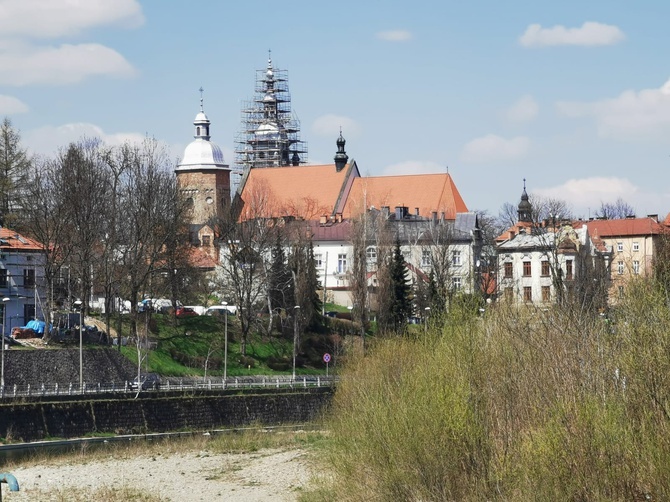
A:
(620, 291)
(619, 267)
(619, 247)
(545, 268)
(546, 293)
(371, 254)
(636, 246)
(28, 277)
(3, 278)
(317, 260)
(456, 258)
(526, 269)
(426, 258)
(456, 283)
(341, 263)
(636, 267)
(206, 240)
(527, 294)
(509, 294)
(568, 269)
(508, 270)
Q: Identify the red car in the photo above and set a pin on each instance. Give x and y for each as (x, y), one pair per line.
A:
(185, 312)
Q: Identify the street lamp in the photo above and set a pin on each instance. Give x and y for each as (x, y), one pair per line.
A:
(78, 304)
(425, 322)
(2, 365)
(225, 343)
(296, 312)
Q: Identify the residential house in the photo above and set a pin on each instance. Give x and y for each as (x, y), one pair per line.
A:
(21, 279)
(634, 243)
(540, 263)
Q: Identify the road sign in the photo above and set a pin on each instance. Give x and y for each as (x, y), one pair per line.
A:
(326, 357)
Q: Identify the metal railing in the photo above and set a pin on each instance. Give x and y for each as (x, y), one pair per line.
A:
(169, 385)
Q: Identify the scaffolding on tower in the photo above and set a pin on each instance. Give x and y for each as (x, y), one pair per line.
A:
(270, 135)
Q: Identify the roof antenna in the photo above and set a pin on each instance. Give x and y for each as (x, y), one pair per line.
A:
(201, 91)
(447, 169)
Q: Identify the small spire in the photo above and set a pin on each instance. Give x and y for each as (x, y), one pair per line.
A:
(201, 99)
(269, 59)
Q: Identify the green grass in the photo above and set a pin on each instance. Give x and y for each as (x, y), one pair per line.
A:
(203, 335)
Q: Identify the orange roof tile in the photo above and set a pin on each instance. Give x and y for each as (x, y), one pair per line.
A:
(428, 192)
(14, 241)
(306, 192)
(624, 227)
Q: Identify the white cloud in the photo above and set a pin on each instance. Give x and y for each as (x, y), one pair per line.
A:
(9, 105)
(394, 35)
(413, 167)
(586, 195)
(329, 126)
(65, 64)
(589, 34)
(523, 110)
(48, 140)
(493, 148)
(633, 114)
(58, 18)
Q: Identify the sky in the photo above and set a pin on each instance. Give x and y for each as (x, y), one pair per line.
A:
(572, 96)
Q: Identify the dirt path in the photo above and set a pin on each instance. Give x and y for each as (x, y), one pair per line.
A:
(266, 475)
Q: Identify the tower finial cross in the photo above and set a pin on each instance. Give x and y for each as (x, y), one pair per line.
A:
(201, 91)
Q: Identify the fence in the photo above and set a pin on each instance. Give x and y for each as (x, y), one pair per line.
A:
(170, 385)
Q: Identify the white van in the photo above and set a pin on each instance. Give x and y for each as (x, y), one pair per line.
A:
(221, 310)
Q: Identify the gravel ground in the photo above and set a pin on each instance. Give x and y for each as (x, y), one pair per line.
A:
(266, 475)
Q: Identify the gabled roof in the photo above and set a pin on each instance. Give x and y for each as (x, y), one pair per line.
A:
(306, 192)
(627, 227)
(11, 240)
(427, 192)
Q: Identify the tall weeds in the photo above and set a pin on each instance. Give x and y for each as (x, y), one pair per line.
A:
(521, 404)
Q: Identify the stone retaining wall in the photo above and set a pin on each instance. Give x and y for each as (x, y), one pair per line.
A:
(32, 420)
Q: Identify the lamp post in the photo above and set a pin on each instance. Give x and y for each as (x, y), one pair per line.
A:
(2, 365)
(79, 304)
(296, 312)
(425, 322)
(225, 342)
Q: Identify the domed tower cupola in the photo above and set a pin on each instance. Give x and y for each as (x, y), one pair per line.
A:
(201, 122)
(341, 156)
(525, 208)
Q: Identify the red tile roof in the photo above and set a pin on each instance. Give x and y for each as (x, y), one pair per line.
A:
(11, 240)
(625, 227)
(428, 192)
(306, 192)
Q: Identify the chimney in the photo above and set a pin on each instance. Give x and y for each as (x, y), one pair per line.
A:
(338, 217)
(416, 211)
(441, 216)
(386, 211)
(323, 220)
(434, 216)
(398, 212)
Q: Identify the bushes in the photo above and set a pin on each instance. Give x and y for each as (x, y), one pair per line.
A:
(521, 404)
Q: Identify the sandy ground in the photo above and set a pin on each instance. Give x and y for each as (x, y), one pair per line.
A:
(266, 475)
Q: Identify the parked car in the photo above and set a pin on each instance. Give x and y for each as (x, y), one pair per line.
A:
(199, 309)
(220, 310)
(147, 381)
(185, 312)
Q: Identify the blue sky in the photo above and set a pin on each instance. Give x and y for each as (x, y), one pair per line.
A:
(573, 96)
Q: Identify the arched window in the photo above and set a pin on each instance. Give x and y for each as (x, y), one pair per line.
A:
(371, 254)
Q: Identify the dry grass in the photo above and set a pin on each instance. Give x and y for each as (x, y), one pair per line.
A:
(524, 404)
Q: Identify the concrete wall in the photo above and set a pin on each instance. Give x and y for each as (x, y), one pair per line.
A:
(67, 417)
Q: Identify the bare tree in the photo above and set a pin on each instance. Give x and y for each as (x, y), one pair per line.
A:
(47, 219)
(615, 210)
(147, 192)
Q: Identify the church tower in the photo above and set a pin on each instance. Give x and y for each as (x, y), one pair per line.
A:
(270, 135)
(204, 181)
(525, 209)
